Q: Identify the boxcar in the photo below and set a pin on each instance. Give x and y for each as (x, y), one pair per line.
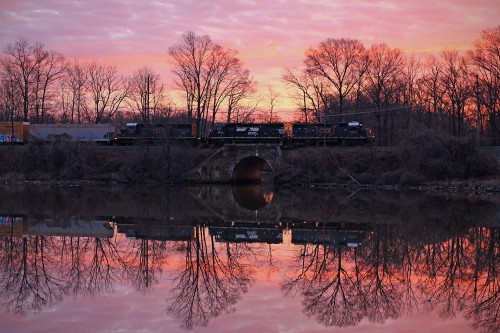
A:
(103, 133)
(13, 132)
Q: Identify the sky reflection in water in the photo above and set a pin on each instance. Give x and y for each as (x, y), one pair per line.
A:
(153, 260)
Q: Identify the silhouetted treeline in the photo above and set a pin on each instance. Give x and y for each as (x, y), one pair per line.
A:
(394, 92)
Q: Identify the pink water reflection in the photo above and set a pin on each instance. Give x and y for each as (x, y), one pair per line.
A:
(264, 307)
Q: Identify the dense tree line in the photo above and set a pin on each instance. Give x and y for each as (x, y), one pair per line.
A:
(341, 79)
(456, 93)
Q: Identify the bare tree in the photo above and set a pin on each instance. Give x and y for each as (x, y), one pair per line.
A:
(146, 93)
(210, 283)
(486, 58)
(380, 280)
(107, 92)
(229, 80)
(342, 62)
(241, 88)
(11, 106)
(411, 73)
(382, 84)
(208, 74)
(484, 285)
(145, 263)
(330, 290)
(309, 92)
(21, 64)
(30, 281)
(72, 93)
(190, 58)
(457, 84)
(431, 92)
(245, 112)
(272, 98)
(48, 72)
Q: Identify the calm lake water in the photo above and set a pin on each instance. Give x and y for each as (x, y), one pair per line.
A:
(246, 259)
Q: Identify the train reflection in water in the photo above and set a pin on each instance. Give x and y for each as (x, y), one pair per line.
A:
(21, 226)
(250, 214)
(245, 214)
(239, 232)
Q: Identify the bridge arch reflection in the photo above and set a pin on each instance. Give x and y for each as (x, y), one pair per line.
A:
(252, 197)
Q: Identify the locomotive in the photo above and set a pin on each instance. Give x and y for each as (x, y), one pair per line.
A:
(247, 133)
(346, 133)
(155, 133)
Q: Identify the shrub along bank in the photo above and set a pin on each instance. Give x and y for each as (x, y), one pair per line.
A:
(424, 159)
(71, 161)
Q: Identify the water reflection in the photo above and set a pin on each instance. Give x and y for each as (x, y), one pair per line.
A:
(374, 256)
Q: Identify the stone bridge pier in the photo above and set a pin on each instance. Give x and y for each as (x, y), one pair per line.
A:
(237, 163)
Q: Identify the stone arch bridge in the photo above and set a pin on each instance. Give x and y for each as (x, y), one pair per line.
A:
(239, 163)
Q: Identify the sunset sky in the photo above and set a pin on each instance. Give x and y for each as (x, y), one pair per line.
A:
(268, 34)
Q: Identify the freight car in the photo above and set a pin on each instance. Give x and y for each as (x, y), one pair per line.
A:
(155, 133)
(100, 133)
(247, 133)
(13, 132)
(348, 133)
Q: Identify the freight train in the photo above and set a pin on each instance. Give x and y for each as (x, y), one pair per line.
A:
(299, 134)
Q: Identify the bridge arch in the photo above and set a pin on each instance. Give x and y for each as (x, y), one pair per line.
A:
(239, 163)
(251, 169)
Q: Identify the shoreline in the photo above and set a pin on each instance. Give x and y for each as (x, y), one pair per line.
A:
(440, 165)
(461, 187)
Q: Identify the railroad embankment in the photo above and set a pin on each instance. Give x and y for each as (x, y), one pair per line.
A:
(88, 162)
(423, 163)
(495, 150)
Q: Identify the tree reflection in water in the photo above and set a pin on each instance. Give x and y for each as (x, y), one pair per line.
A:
(419, 257)
(145, 261)
(38, 271)
(211, 281)
(390, 275)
